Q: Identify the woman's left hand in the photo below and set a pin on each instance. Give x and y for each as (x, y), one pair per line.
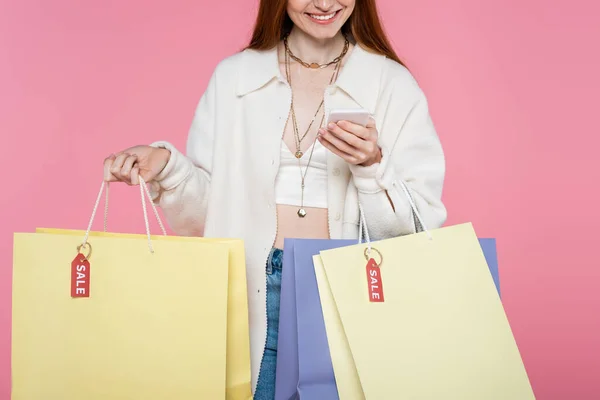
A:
(354, 143)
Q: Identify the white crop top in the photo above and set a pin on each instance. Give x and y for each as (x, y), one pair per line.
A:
(287, 183)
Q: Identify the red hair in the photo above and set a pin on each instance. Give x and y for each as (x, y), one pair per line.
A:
(273, 23)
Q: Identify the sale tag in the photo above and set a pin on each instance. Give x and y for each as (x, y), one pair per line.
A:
(374, 282)
(80, 277)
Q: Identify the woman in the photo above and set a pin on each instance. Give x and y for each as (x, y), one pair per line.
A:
(260, 165)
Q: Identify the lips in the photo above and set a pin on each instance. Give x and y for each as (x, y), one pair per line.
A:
(323, 18)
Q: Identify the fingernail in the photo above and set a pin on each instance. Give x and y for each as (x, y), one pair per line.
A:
(331, 125)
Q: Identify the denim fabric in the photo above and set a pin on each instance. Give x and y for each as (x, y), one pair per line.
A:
(265, 388)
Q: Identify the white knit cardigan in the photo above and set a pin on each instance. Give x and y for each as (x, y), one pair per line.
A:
(224, 185)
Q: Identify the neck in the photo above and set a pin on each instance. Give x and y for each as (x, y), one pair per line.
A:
(312, 50)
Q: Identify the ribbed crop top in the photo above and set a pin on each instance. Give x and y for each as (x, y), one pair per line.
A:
(288, 188)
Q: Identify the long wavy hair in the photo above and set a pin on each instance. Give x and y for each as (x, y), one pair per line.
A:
(273, 24)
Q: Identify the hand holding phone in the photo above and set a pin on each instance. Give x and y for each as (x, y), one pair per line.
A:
(351, 135)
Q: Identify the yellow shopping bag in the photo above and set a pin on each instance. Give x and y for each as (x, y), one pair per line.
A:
(426, 322)
(153, 327)
(238, 386)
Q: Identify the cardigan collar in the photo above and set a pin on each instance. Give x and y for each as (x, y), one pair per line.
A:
(359, 77)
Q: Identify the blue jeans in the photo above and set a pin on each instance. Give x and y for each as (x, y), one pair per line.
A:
(265, 388)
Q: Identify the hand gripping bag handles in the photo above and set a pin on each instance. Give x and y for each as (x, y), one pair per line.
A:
(418, 317)
(152, 323)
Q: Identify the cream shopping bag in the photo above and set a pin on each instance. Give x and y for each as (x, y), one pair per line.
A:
(424, 322)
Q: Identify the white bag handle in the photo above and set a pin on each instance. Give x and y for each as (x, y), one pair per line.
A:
(143, 189)
(419, 224)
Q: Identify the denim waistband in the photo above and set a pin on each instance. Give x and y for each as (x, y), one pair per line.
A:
(275, 260)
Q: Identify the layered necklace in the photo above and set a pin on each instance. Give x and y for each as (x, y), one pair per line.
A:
(297, 137)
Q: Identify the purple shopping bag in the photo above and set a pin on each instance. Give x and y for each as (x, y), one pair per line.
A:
(488, 246)
(304, 368)
(287, 343)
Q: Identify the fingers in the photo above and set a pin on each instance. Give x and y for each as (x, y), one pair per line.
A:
(119, 168)
(135, 176)
(328, 145)
(342, 131)
(127, 166)
(360, 131)
(355, 143)
(108, 162)
(371, 123)
(339, 144)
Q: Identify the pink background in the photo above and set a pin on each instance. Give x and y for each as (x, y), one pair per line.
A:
(513, 88)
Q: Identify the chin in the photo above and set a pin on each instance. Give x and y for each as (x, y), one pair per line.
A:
(324, 35)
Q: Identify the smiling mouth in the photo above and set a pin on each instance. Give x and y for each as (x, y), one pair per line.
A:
(324, 17)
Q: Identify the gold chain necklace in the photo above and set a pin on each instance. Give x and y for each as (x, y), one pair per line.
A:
(316, 65)
(302, 211)
(297, 138)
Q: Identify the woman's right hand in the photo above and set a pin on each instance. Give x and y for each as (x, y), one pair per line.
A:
(127, 165)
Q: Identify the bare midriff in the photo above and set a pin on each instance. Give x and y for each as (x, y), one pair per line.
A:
(313, 226)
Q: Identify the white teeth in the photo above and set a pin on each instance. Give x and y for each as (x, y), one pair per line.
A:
(323, 17)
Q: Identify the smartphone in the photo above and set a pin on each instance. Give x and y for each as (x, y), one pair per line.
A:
(359, 116)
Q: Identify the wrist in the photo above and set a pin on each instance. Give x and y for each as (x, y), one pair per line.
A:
(374, 160)
(365, 178)
(165, 156)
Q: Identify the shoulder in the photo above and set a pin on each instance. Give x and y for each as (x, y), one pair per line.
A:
(398, 79)
(247, 70)
(395, 81)
(246, 59)
(229, 66)
(399, 87)
(390, 71)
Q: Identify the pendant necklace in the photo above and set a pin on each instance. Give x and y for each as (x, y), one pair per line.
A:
(297, 138)
(302, 211)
